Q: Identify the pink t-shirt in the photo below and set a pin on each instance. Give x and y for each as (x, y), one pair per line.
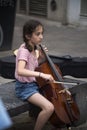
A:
(31, 63)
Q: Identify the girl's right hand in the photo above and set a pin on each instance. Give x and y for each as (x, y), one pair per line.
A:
(48, 77)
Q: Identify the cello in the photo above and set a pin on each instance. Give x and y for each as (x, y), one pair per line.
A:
(66, 110)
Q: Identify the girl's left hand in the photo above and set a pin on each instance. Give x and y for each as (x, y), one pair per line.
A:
(45, 48)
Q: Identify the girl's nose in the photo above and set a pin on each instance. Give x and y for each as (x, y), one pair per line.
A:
(41, 36)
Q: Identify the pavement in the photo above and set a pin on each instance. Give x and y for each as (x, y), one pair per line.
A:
(60, 40)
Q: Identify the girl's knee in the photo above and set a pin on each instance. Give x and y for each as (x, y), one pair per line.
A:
(50, 107)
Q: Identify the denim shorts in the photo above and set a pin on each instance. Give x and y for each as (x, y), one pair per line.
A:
(25, 90)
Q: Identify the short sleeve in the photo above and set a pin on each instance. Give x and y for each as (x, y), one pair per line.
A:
(23, 54)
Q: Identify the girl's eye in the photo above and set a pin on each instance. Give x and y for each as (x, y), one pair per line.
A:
(38, 33)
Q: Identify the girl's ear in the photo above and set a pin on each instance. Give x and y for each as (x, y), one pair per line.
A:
(27, 37)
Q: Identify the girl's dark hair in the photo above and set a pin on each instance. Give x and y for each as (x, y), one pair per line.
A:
(28, 28)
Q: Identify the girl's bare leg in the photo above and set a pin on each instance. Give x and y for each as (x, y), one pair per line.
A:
(47, 109)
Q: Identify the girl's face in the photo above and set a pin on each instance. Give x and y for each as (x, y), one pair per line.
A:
(37, 36)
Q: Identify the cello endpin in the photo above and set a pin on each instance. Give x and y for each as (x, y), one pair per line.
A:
(69, 128)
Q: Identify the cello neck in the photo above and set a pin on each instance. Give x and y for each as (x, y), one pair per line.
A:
(52, 66)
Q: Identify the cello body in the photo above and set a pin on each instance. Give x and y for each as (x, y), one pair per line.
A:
(66, 110)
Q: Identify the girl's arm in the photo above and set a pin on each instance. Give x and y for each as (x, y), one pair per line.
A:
(22, 71)
(25, 72)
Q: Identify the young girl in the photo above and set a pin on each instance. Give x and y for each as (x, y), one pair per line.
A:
(25, 74)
